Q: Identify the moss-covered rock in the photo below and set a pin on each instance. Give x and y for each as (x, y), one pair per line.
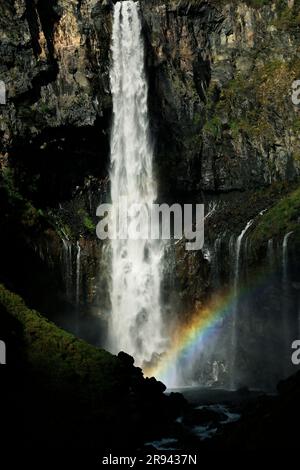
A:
(282, 218)
(71, 394)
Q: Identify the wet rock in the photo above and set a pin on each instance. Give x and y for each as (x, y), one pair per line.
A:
(203, 416)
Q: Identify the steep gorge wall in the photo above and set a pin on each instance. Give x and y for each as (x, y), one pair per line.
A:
(220, 76)
(221, 85)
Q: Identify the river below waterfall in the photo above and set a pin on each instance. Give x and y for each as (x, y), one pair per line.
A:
(210, 413)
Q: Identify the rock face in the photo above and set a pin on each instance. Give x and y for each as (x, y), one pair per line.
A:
(54, 142)
(220, 76)
(54, 65)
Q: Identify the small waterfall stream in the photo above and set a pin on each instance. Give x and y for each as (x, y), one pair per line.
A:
(285, 308)
(235, 310)
(67, 263)
(78, 260)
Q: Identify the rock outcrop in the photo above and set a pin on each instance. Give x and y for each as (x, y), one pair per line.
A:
(65, 394)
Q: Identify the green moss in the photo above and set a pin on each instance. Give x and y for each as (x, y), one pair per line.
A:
(89, 224)
(9, 185)
(252, 104)
(287, 18)
(213, 126)
(58, 353)
(296, 125)
(283, 217)
(86, 221)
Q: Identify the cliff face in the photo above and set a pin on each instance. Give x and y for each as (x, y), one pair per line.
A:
(220, 76)
(221, 80)
(53, 57)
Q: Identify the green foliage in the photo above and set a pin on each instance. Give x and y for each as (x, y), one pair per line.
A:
(8, 185)
(213, 126)
(89, 224)
(287, 18)
(255, 104)
(296, 125)
(283, 217)
(86, 220)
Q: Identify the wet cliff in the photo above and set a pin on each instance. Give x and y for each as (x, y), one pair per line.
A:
(223, 123)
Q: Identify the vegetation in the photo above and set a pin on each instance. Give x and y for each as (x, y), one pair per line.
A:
(255, 105)
(68, 394)
(65, 358)
(288, 18)
(213, 126)
(86, 221)
(14, 205)
(282, 218)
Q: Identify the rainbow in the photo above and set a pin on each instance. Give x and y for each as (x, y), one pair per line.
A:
(190, 338)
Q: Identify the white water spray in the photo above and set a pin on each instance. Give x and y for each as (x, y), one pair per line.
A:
(136, 320)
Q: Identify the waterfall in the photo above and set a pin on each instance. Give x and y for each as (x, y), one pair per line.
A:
(67, 267)
(78, 273)
(136, 319)
(285, 258)
(236, 282)
(286, 307)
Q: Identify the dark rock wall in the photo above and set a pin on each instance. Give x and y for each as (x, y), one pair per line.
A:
(220, 76)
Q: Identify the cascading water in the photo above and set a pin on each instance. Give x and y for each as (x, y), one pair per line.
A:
(78, 273)
(286, 299)
(77, 291)
(136, 320)
(236, 281)
(67, 267)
